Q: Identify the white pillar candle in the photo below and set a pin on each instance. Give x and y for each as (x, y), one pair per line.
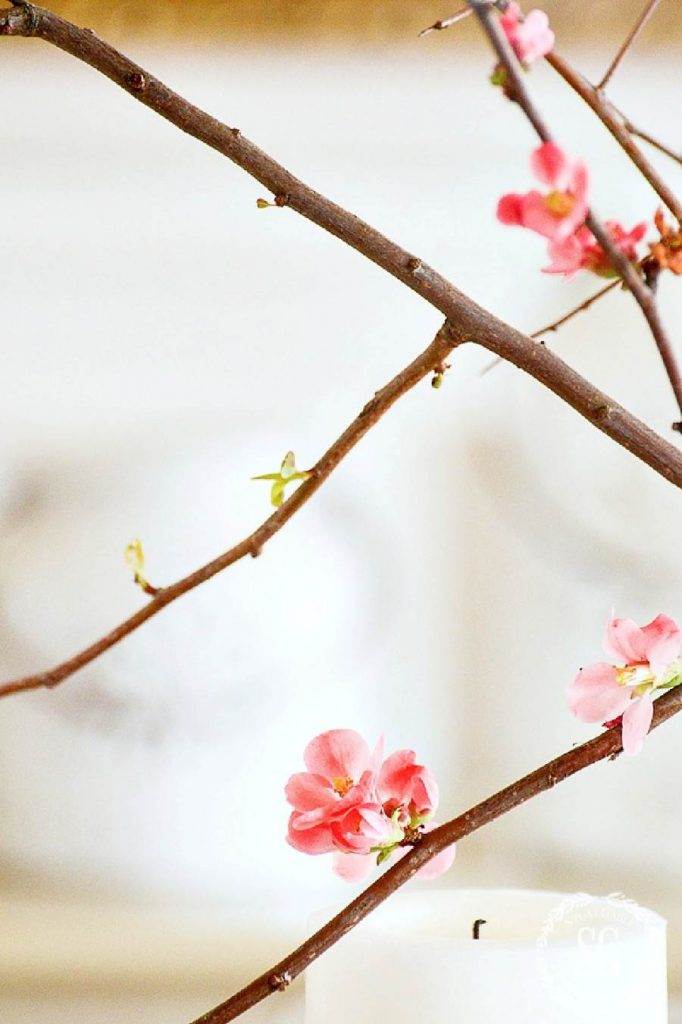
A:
(541, 958)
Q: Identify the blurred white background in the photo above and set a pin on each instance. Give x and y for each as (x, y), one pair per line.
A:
(164, 340)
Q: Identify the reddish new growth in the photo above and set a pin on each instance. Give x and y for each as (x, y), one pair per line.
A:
(667, 252)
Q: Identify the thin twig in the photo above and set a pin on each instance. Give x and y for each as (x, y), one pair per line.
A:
(643, 295)
(630, 39)
(467, 321)
(429, 360)
(607, 745)
(652, 140)
(556, 324)
(438, 26)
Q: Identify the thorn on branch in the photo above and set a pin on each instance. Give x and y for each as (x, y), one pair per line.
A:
(136, 81)
(280, 982)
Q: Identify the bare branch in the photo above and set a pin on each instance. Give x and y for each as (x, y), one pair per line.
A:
(641, 293)
(466, 320)
(631, 37)
(607, 745)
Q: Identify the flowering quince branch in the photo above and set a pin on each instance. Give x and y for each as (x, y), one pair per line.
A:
(575, 234)
(605, 746)
(352, 802)
(612, 119)
(649, 660)
(466, 321)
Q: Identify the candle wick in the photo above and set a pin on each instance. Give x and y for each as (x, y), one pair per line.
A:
(477, 927)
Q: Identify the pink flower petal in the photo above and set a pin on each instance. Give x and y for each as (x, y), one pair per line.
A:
(566, 256)
(549, 163)
(352, 867)
(402, 783)
(338, 754)
(662, 642)
(308, 792)
(636, 723)
(625, 642)
(438, 865)
(392, 768)
(361, 829)
(536, 215)
(312, 841)
(510, 209)
(579, 187)
(595, 694)
(534, 37)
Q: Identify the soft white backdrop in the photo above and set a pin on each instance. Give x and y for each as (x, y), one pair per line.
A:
(163, 341)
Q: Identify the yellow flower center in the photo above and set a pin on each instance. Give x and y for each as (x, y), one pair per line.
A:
(639, 676)
(342, 785)
(559, 203)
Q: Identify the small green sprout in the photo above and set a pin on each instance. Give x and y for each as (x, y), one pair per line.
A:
(287, 474)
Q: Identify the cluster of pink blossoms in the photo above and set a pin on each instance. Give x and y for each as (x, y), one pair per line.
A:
(559, 213)
(358, 806)
(648, 660)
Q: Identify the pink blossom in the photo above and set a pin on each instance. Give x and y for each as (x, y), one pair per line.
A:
(341, 775)
(530, 37)
(363, 811)
(406, 786)
(364, 828)
(555, 214)
(581, 251)
(648, 660)
(657, 644)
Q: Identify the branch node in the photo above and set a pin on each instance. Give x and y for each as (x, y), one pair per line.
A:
(601, 411)
(677, 425)
(413, 264)
(136, 81)
(280, 982)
